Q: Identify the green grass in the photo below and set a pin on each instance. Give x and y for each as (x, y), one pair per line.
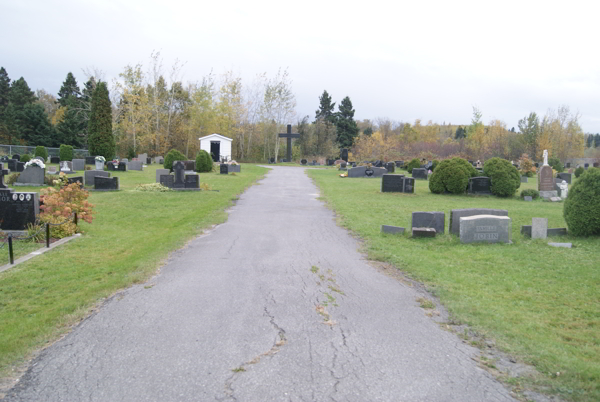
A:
(539, 303)
(132, 233)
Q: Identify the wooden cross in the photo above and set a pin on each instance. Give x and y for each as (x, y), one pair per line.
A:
(289, 137)
(3, 172)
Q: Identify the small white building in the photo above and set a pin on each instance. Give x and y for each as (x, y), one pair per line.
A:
(218, 146)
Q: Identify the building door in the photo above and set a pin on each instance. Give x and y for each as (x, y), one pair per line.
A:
(215, 150)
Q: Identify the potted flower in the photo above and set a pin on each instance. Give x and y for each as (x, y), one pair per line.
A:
(100, 162)
(35, 162)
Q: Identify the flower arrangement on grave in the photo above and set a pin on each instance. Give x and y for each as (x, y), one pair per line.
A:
(61, 181)
(234, 163)
(115, 162)
(344, 175)
(100, 158)
(35, 162)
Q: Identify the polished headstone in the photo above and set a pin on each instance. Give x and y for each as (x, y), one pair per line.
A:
(545, 179)
(167, 180)
(89, 176)
(435, 220)
(480, 185)
(135, 165)
(485, 229)
(18, 209)
(456, 214)
(33, 175)
(419, 173)
(179, 169)
(78, 164)
(106, 183)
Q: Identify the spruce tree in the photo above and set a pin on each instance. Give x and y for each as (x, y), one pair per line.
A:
(4, 90)
(325, 110)
(68, 90)
(100, 136)
(347, 129)
(35, 127)
(21, 94)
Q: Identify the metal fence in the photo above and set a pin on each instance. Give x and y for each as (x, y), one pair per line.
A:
(11, 150)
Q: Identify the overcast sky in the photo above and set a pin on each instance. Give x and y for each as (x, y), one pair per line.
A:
(433, 60)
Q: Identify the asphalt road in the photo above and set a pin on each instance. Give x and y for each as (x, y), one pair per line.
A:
(277, 304)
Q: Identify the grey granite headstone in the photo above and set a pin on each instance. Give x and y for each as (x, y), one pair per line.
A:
(135, 165)
(392, 229)
(419, 173)
(549, 194)
(456, 214)
(234, 168)
(142, 157)
(89, 176)
(32, 176)
(566, 177)
(523, 179)
(66, 167)
(106, 183)
(435, 220)
(539, 228)
(555, 199)
(564, 245)
(358, 171)
(160, 172)
(78, 164)
(528, 198)
(485, 229)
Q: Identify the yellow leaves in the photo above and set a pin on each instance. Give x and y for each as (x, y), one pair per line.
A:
(59, 116)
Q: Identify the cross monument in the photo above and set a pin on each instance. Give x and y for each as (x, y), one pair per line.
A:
(289, 137)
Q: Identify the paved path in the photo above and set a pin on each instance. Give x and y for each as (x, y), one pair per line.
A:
(240, 315)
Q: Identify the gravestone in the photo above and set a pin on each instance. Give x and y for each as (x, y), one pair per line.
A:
(125, 160)
(148, 161)
(190, 166)
(423, 232)
(303, 161)
(90, 160)
(435, 220)
(110, 167)
(135, 165)
(586, 166)
(539, 228)
(142, 157)
(344, 154)
(343, 166)
(167, 180)
(546, 182)
(121, 167)
(378, 163)
(17, 157)
(192, 181)
(271, 160)
(330, 162)
(419, 174)
(158, 159)
(528, 198)
(391, 229)
(76, 179)
(39, 158)
(11, 164)
(54, 159)
(568, 165)
(89, 176)
(550, 232)
(399, 164)
(231, 168)
(456, 214)
(78, 164)
(480, 185)
(289, 137)
(391, 167)
(32, 176)
(3, 172)
(106, 183)
(179, 169)
(66, 167)
(524, 179)
(409, 185)
(282, 161)
(17, 209)
(566, 177)
(20, 166)
(52, 170)
(358, 171)
(392, 183)
(223, 168)
(485, 229)
(160, 172)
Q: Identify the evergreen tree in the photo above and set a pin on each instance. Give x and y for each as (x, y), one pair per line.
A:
(21, 94)
(100, 138)
(68, 90)
(35, 128)
(10, 127)
(347, 129)
(460, 133)
(597, 141)
(326, 108)
(4, 90)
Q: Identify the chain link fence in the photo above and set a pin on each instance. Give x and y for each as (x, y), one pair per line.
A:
(11, 150)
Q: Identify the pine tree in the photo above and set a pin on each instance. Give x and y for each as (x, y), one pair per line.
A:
(35, 128)
(4, 90)
(100, 137)
(326, 108)
(21, 94)
(347, 129)
(68, 90)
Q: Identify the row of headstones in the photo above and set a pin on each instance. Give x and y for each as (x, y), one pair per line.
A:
(474, 225)
(313, 163)
(179, 180)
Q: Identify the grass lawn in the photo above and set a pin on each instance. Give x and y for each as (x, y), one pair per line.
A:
(132, 233)
(539, 303)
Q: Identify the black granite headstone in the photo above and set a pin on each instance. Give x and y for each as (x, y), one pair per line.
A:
(586, 165)
(392, 183)
(303, 161)
(12, 165)
(54, 159)
(90, 160)
(480, 185)
(192, 181)
(391, 167)
(223, 168)
(435, 220)
(344, 154)
(190, 165)
(17, 157)
(122, 167)
(399, 164)
(179, 169)
(20, 166)
(271, 160)
(167, 180)
(76, 179)
(110, 167)
(419, 173)
(149, 162)
(409, 185)
(17, 209)
(106, 183)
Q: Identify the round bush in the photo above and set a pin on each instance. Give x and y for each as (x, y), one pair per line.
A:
(434, 164)
(504, 177)
(582, 206)
(204, 162)
(451, 175)
(556, 165)
(172, 156)
(531, 193)
(65, 152)
(579, 171)
(413, 164)
(41, 151)
(25, 158)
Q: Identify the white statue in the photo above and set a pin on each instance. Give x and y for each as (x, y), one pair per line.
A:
(545, 157)
(564, 189)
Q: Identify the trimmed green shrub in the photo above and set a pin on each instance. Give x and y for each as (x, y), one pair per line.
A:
(204, 162)
(101, 140)
(556, 165)
(582, 206)
(65, 152)
(42, 152)
(434, 164)
(531, 193)
(25, 158)
(579, 171)
(451, 175)
(504, 177)
(413, 164)
(172, 156)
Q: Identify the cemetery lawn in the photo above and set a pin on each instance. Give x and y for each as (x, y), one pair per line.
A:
(132, 234)
(538, 303)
